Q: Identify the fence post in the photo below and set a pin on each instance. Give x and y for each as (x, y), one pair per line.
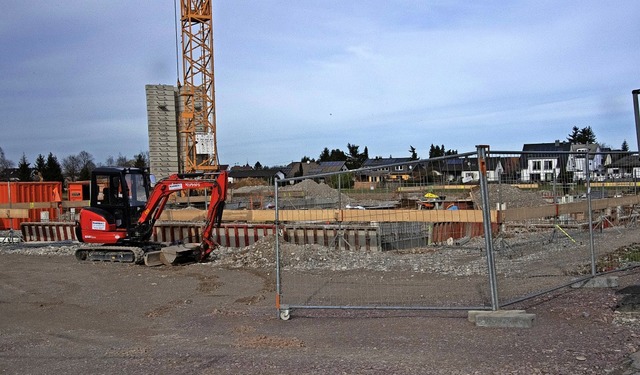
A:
(486, 221)
(277, 226)
(588, 182)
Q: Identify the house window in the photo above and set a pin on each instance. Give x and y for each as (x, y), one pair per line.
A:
(536, 165)
(548, 165)
(399, 167)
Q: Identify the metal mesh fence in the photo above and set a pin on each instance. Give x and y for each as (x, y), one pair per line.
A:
(562, 217)
(413, 255)
(416, 235)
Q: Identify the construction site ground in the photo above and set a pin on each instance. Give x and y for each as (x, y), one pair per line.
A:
(62, 316)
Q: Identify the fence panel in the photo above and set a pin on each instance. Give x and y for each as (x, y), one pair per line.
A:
(392, 245)
(561, 216)
(553, 218)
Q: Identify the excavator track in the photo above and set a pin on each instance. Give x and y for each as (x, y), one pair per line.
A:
(118, 254)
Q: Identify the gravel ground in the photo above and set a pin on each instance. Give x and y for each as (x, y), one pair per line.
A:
(61, 316)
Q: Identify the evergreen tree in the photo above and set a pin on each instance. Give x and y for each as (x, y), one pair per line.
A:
(52, 171)
(574, 135)
(324, 155)
(41, 167)
(432, 151)
(414, 154)
(355, 159)
(85, 174)
(587, 135)
(140, 161)
(24, 171)
(625, 146)
(582, 136)
(436, 151)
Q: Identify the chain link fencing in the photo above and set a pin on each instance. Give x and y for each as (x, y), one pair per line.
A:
(415, 234)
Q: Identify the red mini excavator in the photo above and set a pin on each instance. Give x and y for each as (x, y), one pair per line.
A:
(124, 210)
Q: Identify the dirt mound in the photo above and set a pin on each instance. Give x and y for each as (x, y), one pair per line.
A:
(510, 196)
(314, 190)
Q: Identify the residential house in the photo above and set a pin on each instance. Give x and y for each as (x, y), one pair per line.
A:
(326, 167)
(541, 162)
(386, 170)
(466, 170)
(585, 157)
(268, 175)
(610, 162)
(625, 167)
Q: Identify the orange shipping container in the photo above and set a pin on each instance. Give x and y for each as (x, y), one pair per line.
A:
(28, 195)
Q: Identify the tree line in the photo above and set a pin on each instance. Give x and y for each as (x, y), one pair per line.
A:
(354, 159)
(76, 167)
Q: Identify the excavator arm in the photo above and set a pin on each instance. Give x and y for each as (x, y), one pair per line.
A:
(157, 202)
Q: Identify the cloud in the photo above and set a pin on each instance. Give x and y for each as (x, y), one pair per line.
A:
(294, 77)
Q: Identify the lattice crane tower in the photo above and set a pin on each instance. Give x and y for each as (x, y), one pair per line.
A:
(197, 120)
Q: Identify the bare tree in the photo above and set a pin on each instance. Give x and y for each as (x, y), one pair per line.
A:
(71, 166)
(4, 162)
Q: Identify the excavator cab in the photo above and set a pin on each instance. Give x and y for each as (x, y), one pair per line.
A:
(118, 197)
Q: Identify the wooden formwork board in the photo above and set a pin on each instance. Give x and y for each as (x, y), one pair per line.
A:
(526, 213)
(427, 216)
(14, 213)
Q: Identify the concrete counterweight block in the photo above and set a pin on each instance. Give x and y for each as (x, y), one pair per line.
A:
(502, 318)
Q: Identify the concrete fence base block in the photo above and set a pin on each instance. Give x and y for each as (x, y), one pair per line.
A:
(502, 318)
(598, 282)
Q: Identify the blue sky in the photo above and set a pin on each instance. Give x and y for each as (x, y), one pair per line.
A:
(293, 77)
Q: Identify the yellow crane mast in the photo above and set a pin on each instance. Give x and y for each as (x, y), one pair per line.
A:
(197, 120)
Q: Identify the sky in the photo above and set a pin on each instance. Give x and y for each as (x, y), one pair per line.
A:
(293, 77)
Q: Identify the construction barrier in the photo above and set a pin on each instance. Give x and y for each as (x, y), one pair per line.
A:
(39, 199)
(536, 222)
(227, 235)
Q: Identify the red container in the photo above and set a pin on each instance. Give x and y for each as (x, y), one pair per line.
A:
(40, 198)
(78, 191)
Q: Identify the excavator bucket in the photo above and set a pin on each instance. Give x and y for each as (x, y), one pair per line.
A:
(152, 259)
(173, 255)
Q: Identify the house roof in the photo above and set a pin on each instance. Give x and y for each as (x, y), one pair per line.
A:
(547, 147)
(630, 161)
(591, 147)
(325, 167)
(255, 173)
(542, 151)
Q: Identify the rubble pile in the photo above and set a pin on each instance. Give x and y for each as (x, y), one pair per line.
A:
(510, 196)
(458, 262)
(253, 190)
(313, 189)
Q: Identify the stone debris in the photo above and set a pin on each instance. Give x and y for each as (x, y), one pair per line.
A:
(510, 196)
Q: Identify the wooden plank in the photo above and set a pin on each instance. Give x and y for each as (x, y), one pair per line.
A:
(527, 213)
(332, 216)
(75, 204)
(29, 205)
(14, 213)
